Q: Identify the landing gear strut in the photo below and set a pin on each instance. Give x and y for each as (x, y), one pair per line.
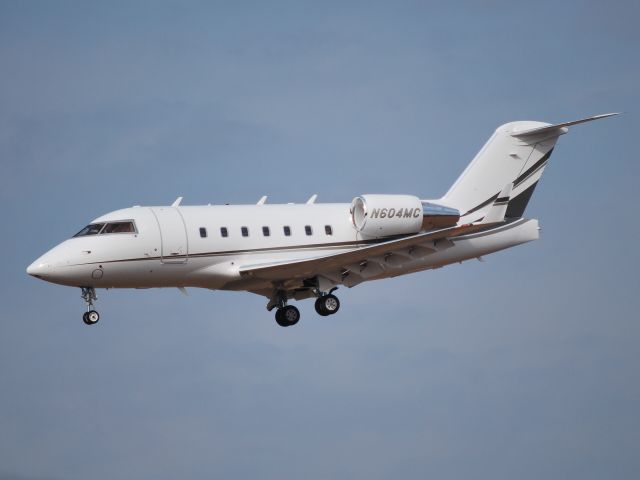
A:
(90, 317)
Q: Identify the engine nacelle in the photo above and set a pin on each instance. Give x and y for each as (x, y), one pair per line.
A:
(385, 215)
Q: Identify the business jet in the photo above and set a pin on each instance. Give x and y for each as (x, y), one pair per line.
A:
(298, 251)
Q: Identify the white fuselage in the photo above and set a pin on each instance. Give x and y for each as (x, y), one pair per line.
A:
(183, 246)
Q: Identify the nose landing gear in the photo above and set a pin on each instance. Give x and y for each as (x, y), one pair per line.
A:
(90, 317)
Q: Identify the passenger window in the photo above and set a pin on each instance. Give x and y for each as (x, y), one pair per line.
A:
(92, 229)
(224, 232)
(328, 230)
(265, 231)
(307, 230)
(119, 227)
(245, 231)
(287, 231)
(203, 232)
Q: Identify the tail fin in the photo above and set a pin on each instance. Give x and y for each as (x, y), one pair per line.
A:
(517, 154)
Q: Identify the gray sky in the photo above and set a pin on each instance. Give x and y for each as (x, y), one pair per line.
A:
(525, 366)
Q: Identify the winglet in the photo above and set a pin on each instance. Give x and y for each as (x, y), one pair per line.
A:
(559, 126)
(499, 208)
(177, 202)
(312, 199)
(262, 200)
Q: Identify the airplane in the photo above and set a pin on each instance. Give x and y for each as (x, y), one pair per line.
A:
(296, 251)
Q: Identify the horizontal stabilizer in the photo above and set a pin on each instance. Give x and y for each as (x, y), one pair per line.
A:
(499, 208)
(558, 126)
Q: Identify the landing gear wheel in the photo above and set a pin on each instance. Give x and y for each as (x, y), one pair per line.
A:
(327, 305)
(287, 316)
(91, 317)
(291, 315)
(279, 320)
(319, 309)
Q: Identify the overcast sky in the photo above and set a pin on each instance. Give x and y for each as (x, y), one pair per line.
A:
(526, 366)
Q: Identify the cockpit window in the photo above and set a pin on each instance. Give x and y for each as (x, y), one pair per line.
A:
(119, 227)
(111, 227)
(92, 229)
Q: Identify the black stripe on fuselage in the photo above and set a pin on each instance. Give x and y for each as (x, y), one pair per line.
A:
(490, 230)
(321, 246)
(510, 223)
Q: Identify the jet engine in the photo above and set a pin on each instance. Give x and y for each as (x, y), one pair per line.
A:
(385, 215)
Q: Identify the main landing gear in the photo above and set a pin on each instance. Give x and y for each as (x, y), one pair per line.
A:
(288, 315)
(90, 317)
(327, 305)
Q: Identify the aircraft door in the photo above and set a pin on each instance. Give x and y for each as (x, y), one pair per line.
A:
(174, 245)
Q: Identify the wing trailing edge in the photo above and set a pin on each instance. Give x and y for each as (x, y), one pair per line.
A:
(309, 267)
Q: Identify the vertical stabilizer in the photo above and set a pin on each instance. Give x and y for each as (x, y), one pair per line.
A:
(503, 160)
(517, 153)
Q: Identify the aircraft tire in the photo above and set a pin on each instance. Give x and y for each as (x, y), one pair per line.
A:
(291, 315)
(92, 317)
(279, 319)
(319, 306)
(327, 305)
(85, 319)
(287, 316)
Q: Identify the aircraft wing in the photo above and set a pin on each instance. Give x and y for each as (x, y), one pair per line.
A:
(337, 264)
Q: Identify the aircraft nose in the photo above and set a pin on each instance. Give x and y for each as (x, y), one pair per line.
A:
(38, 269)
